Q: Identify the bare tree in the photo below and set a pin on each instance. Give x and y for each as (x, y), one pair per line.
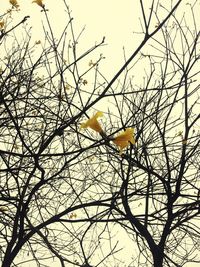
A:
(78, 184)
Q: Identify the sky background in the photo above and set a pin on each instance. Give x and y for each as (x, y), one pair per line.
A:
(117, 20)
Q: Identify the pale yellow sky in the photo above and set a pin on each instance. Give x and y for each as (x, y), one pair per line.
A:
(114, 19)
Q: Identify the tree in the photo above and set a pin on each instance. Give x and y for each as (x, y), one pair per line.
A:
(73, 179)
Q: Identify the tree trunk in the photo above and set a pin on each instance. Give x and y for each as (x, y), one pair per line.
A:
(158, 255)
(158, 262)
(8, 259)
(6, 263)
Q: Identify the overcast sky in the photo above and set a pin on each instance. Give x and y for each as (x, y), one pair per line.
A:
(114, 19)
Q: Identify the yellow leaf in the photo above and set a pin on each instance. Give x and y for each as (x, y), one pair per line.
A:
(39, 3)
(91, 64)
(38, 42)
(93, 123)
(179, 133)
(2, 24)
(124, 139)
(14, 3)
(85, 82)
(73, 215)
(67, 87)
